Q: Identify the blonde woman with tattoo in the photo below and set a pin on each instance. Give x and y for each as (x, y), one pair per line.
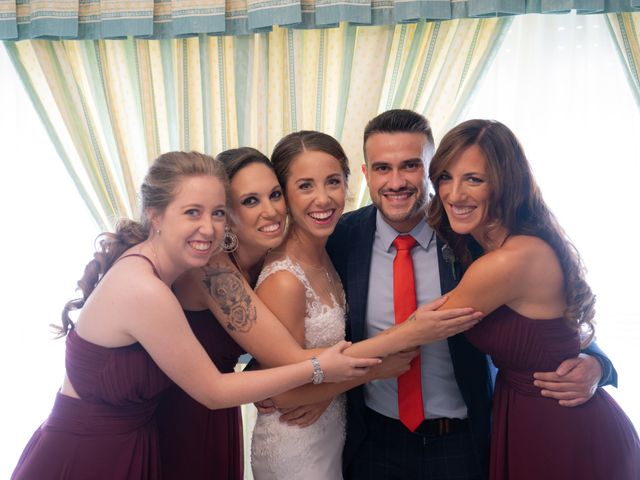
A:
(131, 338)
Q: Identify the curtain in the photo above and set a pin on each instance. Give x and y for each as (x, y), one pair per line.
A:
(111, 106)
(99, 19)
(625, 30)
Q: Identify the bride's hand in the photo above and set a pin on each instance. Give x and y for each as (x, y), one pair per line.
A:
(340, 368)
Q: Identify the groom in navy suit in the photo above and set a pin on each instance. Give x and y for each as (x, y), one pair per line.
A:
(456, 379)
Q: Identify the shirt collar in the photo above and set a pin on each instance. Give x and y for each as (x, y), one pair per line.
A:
(422, 232)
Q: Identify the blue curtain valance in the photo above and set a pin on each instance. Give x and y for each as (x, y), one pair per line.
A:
(101, 19)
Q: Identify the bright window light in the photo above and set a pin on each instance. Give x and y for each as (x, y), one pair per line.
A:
(47, 239)
(575, 115)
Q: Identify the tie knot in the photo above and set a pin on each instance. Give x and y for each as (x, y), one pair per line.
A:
(404, 242)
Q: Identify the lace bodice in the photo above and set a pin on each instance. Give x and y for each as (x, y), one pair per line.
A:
(281, 451)
(324, 325)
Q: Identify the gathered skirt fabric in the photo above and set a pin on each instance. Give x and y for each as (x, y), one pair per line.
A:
(534, 437)
(110, 432)
(197, 443)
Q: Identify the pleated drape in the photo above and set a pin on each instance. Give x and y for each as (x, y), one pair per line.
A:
(111, 106)
(102, 19)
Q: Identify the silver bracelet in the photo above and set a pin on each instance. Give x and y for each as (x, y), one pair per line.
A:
(318, 374)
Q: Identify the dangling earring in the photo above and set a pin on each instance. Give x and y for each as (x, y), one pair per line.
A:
(158, 232)
(229, 241)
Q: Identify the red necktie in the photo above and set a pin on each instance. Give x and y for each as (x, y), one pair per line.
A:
(404, 304)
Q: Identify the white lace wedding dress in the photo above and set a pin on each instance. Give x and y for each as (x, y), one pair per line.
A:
(283, 452)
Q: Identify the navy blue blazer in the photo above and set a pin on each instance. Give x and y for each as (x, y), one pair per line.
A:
(350, 248)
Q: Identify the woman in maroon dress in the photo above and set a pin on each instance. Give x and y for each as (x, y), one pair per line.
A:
(131, 336)
(195, 442)
(531, 283)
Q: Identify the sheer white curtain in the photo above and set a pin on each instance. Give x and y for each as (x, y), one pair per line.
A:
(558, 84)
(46, 241)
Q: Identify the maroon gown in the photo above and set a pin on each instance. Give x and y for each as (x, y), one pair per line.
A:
(109, 434)
(197, 443)
(533, 437)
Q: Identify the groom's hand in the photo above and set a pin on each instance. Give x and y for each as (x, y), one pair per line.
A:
(573, 383)
(305, 415)
(265, 406)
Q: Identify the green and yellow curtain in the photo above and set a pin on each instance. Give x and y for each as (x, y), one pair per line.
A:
(111, 106)
(625, 30)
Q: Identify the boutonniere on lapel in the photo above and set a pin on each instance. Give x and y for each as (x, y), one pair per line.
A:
(449, 257)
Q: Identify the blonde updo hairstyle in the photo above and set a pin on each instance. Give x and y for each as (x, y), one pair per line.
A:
(158, 189)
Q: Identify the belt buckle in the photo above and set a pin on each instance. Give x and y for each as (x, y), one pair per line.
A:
(443, 426)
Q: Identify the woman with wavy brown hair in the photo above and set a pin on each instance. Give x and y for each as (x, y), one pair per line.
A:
(530, 283)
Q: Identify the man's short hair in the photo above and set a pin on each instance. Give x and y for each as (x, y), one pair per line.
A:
(398, 121)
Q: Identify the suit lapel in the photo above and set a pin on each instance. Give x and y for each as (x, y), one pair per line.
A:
(361, 237)
(448, 266)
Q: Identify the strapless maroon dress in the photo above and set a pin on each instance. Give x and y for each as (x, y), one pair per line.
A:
(533, 437)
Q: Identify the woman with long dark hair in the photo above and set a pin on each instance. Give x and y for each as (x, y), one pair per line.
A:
(530, 282)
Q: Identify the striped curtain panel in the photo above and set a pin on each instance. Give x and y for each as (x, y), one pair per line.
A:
(625, 30)
(101, 19)
(112, 106)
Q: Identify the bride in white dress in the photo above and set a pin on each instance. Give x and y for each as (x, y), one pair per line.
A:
(301, 287)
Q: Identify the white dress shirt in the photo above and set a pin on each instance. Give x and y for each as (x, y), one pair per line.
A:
(440, 392)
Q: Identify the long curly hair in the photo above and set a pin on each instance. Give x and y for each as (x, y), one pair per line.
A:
(515, 203)
(157, 191)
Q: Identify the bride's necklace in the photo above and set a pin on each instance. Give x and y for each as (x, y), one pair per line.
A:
(325, 270)
(326, 273)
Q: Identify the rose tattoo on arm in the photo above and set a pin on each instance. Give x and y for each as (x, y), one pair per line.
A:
(227, 288)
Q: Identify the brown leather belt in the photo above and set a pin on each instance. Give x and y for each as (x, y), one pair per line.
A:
(435, 427)
(443, 426)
